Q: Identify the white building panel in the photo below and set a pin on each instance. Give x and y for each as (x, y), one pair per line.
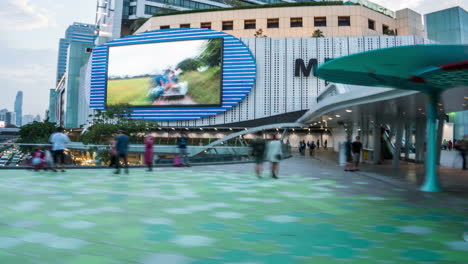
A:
(371, 43)
(356, 44)
(293, 84)
(277, 76)
(387, 41)
(277, 91)
(324, 52)
(262, 87)
(308, 84)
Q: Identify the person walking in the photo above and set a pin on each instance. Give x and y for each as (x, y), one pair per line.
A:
(121, 146)
(318, 144)
(444, 144)
(113, 154)
(38, 161)
(311, 148)
(182, 144)
(149, 142)
(356, 148)
(325, 143)
(258, 146)
(348, 153)
(59, 142)
(462, 147)
(274, 155)
(302, 147)
(450, 145)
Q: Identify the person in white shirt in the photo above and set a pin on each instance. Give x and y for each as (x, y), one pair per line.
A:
(59, 142)
(274, 155)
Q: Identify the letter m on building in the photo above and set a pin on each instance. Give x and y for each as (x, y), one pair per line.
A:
(301, 67)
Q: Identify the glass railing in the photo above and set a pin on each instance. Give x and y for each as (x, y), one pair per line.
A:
(80, 155)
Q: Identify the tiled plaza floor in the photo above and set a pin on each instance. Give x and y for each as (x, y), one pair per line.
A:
(223, 214)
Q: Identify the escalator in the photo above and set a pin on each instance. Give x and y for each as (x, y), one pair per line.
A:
(387, 146)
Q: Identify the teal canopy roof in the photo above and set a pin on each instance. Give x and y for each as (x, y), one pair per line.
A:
(426, 68)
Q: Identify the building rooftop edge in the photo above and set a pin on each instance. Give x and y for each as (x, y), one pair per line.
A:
(280, 5)
(453, 7)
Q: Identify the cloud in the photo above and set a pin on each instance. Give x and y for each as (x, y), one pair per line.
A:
(21, 15)
(421, 6)
(28, 74)
(31, 71)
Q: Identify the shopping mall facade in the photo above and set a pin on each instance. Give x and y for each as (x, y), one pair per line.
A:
(284, 88)
(269, 85)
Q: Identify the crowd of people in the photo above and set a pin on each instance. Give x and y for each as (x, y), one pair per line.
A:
(120, 145)
(271, 151)
(311, 145)
(51, 157)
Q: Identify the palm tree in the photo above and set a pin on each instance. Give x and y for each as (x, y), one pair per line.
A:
(318, 34)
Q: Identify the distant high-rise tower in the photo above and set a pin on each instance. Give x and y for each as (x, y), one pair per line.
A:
(76, 33)
(19, 108)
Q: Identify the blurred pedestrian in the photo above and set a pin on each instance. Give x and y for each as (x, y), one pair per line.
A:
(274, 155)
(356, 148)
(318, 144)
(149, 142)
(258, 146)
(182, 144)
(59, 142)
(449, 145)
(121, 146)
(48, 158)
(325, 143)
(113, 153)
(349, 155)
(462, 147)
(311, 148)
(38, 159)
(302, 147)
(444, 144)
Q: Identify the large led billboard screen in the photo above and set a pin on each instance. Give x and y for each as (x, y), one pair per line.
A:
(175, 73)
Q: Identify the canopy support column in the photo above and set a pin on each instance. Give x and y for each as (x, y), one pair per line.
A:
(431, 181)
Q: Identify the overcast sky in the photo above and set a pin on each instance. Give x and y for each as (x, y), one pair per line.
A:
(30, 31)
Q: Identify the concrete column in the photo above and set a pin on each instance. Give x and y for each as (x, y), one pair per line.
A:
(440, 128)
(398, 137)
(377, 144)
(431, 181)
(407, 140)
(419, 139)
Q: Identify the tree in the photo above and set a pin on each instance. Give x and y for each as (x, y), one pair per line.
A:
(36, 133)
(116, 118)
(259, 34)
(389, 32)
(212, 54)
(318, 34)
(188, 65)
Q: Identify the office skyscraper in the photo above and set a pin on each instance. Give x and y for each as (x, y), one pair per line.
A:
(76, 33)
(19, 108)
(448, 26)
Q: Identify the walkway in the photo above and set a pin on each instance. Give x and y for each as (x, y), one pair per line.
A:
(314, 213)
(454, 181)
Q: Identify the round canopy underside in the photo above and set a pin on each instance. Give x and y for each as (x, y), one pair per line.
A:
(426, 68)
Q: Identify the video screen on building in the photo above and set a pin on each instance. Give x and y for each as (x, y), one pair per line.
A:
(176, 73)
